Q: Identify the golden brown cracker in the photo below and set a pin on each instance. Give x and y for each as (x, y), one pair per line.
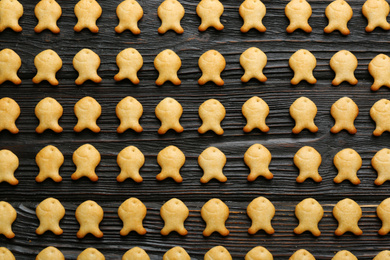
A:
(89, 215)
(212, 161)
(383, 212)
(211, 112)
(87, 13)
(339, 12)
(129, 111)
(381, 163)
(211, 63)
(309, 213)
(47, 63)
(298, 12)
(169, 111)
(383, 255)
(9, 162)
(302, 254)
(348, 213)
(253, 60)
(129, 62)
(344, 64)
(258, 158)
(10, 63)
(210, 12)
(132, 212)
(170, 13)
(167, 63)
(47, 13)
(49, 161)
(135, 253)
(86, 62)
(255, 110)
(379, 68)
(176, 253)
(10, 12)
(174, 212)
(259, 253)
(303, 62)
(86, 158)
(215, 213)
(308, 160)
(218, 253)
(7, 217)
(50, 212)
(130, 160)
(91, 254)
(129, 13)
(50, 253)
(261, 211)
(170, 159)
(380, 113)
(48, 111)
(344, 111)
(347, 162)
(6, 254)
(376, 12)
(87, 111)
(303, 111)
(344, 255)
(9, 112)
(252, 12)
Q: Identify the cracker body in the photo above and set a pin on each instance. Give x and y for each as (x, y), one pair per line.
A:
(86, 62)
(174, 212)
(10, 63)
(10, 12)
(47, 13)
(50, 253)
(261, 211)
(303, 62)
(136, 253)
(298, 12)
(380, 113)
(211, 112)
(255, 110)
(7, 217)
(348, 213)
(9, 112)
(344, 255)
(383, 212)
(252, 12)
(379, 69)
(215, 213)
(129, 111)
(309, 213)
(90, 254)
(381, 163)
(344, 111)
(258, 158)
(308, 160)
(169, 111)
(129, 13)
(9, 162)
(50, 212)
(47, 63)
(87, 12)
(210, 12)
(5, 254)
(212, 161)
(347, 162)
(383, 255)
(87, 111)
(130, 160)
(218, 253)
(376, 12)
(176, 253)
(211, 63)
(303, 111)
(344, 64)
(89, 214)
(170, 159)
(132, 212)
(167, 63)
(170, 13)
(253, 60)
(259, 253)
(48, 111)
(86, 158)
(129, 62)
(339, 12)
(49, 161)
(302, 254)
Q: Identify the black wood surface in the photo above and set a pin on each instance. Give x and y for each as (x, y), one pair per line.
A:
(237, 192)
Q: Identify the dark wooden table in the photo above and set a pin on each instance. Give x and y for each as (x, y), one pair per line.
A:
(237, 192)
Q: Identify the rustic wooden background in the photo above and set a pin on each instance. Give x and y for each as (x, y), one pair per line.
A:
(283, 191)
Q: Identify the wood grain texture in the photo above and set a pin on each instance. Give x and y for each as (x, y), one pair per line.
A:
(283, 190)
